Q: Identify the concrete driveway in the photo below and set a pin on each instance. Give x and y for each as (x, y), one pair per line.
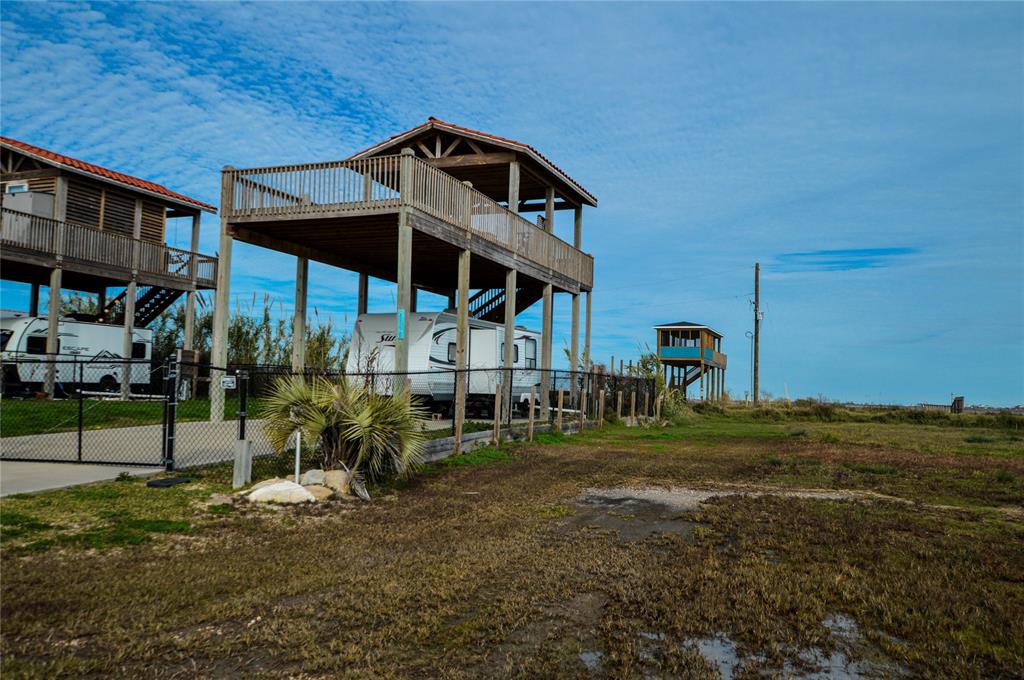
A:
(28, 476)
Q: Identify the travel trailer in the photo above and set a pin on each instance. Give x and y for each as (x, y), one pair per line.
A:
(94, 349)
(432, 358)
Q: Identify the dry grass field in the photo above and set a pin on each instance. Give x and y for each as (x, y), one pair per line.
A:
(731, 545)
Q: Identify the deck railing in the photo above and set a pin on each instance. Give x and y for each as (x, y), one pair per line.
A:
(90, 245)
(369, 184)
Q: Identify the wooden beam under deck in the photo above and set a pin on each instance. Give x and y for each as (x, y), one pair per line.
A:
(366, 241)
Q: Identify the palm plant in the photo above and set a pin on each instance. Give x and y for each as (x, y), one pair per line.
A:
(350, 427)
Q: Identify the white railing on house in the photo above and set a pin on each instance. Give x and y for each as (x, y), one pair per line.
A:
(71, 241)
(366, 185)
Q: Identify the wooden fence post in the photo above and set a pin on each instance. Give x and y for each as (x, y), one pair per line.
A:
(618, 405)
(497, 414)
(529, 421)
(632, 407)
(600, 411)
(580, 405)
(558, 418)
(647, 404)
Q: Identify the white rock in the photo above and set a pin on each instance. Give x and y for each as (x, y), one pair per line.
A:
(281, 492)
(320, 493)
(337, 480)
(310, 477)
(260, 485)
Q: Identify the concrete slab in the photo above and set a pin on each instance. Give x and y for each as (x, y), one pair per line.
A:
(29, 476)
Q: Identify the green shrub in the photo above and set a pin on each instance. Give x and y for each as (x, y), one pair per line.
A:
(708, 408)
(675, 409)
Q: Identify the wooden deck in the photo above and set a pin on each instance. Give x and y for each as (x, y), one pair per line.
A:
(33, 245)
(347, 213)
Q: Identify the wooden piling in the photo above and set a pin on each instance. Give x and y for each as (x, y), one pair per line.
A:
(558, 417)
(632, 407)
(497, 414)
(618, 405)
(529, 420)
(600, 411)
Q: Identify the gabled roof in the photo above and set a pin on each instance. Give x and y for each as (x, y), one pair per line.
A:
(435, 124)
(687, 325)
(105, 174)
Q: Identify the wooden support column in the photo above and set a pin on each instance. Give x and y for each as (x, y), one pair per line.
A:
(547, 327)
(586, 333)
(415, 303)
(403, 320)
(60, 203)
(451, 300)
(461, 343)
(364, 289)
(510, 335)
(545, 351)
(513, 186)
(190, 299)
(299, 314)
(33, 300)
(129, 305)
(577, 231)
(222, 298)
(574, 346)
(101, 299)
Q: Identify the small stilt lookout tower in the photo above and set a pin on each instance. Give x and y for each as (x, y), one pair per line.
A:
(692, 352)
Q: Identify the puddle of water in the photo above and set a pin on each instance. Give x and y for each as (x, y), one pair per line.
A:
(721, 652)
(591, 659)
(813, 664)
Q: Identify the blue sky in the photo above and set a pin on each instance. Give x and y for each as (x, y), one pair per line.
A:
(870, 156)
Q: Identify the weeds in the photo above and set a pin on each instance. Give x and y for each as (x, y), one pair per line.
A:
(507, 580)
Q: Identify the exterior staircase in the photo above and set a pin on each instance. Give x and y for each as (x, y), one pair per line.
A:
(489, 303)
(151, 304)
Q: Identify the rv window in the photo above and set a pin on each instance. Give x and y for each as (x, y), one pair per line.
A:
(451, 352)
(531, 353)
(4, 337)
(138, 350)
(515, 353)
(36, 344)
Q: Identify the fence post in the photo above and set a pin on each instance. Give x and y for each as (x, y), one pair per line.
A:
(529, 421)
(600, 411)
(582, 400)
(243, 394)
(497, 414)
(558, 419)
(81, 409)
(172, 412)
(647, 404)
(632, 406)
(618, 405)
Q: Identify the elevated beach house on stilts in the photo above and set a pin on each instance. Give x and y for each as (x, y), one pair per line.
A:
(69, 224)
(438, 207)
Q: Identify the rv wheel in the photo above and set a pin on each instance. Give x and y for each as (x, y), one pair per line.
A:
(108, 383)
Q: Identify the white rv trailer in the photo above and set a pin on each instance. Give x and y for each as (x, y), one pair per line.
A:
(432, 357)
(91, 351)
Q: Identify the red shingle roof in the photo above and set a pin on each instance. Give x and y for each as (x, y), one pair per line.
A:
(504, 141)
(103, 173)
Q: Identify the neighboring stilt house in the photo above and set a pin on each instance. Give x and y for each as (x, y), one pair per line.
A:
(439, 208)
(68, 224)
(691, 352)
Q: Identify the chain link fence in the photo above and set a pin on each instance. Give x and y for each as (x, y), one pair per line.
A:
(166, 419)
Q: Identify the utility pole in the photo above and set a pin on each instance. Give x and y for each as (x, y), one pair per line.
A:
(757, 330)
